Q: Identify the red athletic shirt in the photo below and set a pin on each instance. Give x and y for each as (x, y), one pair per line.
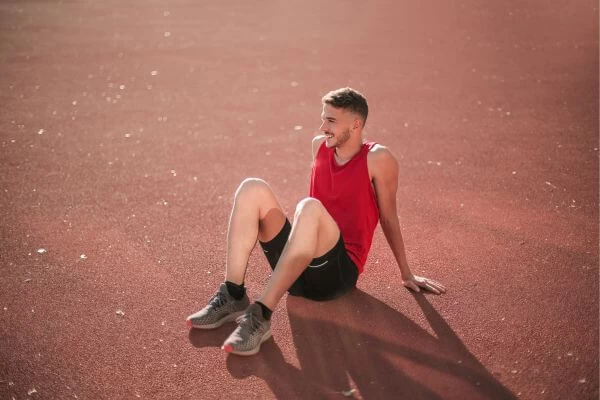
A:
(347, 194)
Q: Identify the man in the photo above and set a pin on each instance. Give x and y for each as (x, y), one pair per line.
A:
(320, 256)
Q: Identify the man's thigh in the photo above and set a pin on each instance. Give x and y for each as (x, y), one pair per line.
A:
(330, 275)
(271, 217)
(312, 213)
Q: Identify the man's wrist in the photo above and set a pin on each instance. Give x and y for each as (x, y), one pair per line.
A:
(405, 273)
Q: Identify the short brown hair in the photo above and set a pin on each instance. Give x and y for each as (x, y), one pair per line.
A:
(348, 99)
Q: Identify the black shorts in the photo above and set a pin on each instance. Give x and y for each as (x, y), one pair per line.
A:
(325, 278)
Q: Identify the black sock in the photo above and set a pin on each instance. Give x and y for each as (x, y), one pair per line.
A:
(236, 291)
(266, 312)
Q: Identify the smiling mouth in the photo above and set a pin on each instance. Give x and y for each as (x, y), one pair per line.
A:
(328, 136)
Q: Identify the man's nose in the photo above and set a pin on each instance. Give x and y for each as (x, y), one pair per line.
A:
(322, 127)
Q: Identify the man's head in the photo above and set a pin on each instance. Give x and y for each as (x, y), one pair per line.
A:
(350, 100)
(345, 112)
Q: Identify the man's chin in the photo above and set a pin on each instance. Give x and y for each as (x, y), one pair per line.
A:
(329, 143)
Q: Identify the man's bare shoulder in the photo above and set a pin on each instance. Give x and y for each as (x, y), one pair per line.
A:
(381, 163)
(380, 154)
(318, 139)
(316, 142)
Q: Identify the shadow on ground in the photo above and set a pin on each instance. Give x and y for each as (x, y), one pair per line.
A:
(361, 347)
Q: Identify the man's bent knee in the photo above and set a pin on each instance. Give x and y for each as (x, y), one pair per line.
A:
(251, 185)
(309, 205)
(313, 212)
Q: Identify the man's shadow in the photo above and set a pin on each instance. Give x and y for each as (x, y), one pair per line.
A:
(358, 342)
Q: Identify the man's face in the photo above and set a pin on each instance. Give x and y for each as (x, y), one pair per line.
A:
(336, 125)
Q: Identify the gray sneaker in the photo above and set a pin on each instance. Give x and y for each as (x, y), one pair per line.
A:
(251, 332)
(221, 308)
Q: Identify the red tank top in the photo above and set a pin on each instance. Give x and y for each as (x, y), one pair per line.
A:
(347, 194)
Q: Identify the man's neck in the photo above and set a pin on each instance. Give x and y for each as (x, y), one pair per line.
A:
(345, 153)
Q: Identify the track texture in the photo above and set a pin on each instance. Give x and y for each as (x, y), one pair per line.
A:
(125, 128)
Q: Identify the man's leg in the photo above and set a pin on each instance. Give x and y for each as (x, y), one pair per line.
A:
(314, 233)
(256, 214)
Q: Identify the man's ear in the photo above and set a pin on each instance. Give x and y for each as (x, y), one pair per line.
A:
(356, 123)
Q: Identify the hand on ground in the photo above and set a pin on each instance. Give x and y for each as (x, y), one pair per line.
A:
(417, 283)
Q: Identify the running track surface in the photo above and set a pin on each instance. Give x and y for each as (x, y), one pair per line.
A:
(126, 127)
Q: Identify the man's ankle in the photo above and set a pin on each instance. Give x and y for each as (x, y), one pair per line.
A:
(236, 291)
(266, 311)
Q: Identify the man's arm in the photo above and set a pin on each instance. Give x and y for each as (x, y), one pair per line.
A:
(316, 142)
(383, 168)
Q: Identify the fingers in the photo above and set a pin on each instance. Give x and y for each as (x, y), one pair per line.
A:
(427, 284)
(438, 285)
(438, 288)
(433, 286)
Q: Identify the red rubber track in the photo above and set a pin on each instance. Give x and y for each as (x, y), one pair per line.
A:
(125, 128)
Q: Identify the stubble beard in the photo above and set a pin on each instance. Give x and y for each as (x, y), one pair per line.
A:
(342, 138)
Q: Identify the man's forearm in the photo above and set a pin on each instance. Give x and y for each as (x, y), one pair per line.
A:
(393, 235)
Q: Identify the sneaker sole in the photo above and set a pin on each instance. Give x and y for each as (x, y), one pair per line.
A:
(230, 350)
(228, 318)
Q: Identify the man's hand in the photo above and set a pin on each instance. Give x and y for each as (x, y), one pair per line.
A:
(417, 283)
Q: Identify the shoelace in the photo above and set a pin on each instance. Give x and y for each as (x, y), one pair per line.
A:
(249, 321)
(218, 300)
